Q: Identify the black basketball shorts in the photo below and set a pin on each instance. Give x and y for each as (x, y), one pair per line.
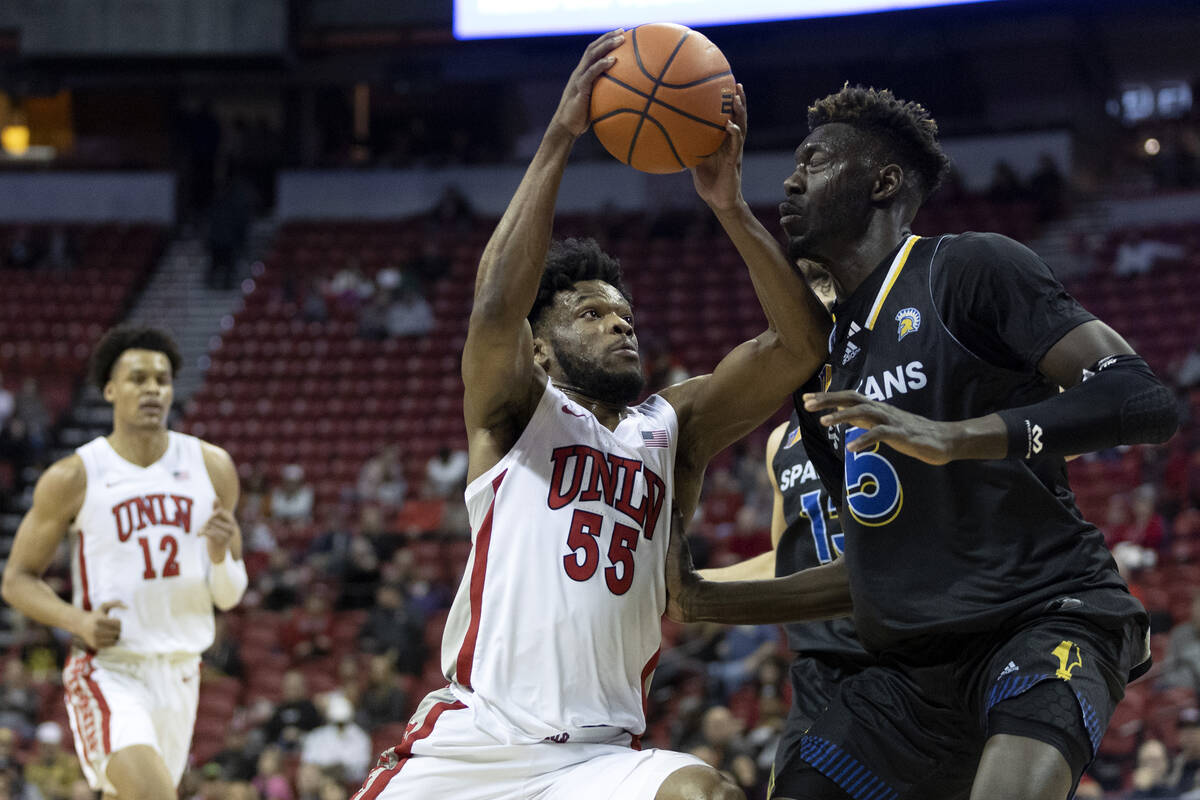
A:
(912, 729)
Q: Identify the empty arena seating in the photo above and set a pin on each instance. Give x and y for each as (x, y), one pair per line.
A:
(50, 318)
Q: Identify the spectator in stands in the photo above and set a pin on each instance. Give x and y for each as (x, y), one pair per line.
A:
(224, 656)
(452, 212)
(361, 576)
(1181, 665)
(373, 319)
(16, 448)
(381, 479)
(256, 493)
(22, 250)
(373, 526)
(349, 287)
(445, 472)
(313, 307)
(329, 551)
(1151, 773)
(1048, 188)
(19, 701)
(42, 654)
(1147, 528)
(409, 314)
(308, 630)
(1187, 373)
(741, 651)
(339, 744)
(294, 716)
(278, 584)
(1138, 254)
(429, 590)
(228, 228)
(1006, 184)
(394, 627)
(7, 402)
(271, 782)
(723, 746)
(430, 265)
(383, 700)
(238, 759)
(1185, 772)
(292, 500)
(30, 409)
(52, 769)
(61, 252)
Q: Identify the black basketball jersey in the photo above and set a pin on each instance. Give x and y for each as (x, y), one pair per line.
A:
(813, 536)
(951, 328)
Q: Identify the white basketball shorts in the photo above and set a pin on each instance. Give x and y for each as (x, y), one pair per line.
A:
(116, 703)
(445, 755)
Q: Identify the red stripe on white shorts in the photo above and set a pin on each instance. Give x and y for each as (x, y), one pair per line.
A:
(377, 781)
(92, 715)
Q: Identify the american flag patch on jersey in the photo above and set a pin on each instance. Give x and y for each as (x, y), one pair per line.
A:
(655, 438)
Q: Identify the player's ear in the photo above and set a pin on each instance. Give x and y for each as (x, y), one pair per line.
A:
(110, 391)
(888, 183)
(543, 353)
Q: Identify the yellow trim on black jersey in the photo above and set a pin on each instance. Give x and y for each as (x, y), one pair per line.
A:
(890, 280)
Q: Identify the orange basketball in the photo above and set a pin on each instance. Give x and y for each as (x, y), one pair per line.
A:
(663, 105)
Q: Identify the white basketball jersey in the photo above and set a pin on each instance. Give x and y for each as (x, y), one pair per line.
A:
(135, 540)
(555, 630)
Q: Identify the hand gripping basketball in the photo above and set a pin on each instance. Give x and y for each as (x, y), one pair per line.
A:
(572, 112)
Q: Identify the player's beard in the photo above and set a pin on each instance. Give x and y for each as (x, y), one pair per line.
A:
(606, 386)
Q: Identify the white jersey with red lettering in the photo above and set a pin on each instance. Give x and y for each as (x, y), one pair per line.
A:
(555, 630)
(136, 540)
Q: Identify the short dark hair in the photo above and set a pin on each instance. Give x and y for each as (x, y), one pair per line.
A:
(904, 128)
(131, 337)
(570, 261)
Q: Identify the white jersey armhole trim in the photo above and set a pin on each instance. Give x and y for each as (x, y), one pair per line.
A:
(536, 421)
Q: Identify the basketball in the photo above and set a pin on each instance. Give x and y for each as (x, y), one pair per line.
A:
(662, 107)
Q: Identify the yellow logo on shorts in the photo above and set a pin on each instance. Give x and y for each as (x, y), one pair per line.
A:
(1065, 665)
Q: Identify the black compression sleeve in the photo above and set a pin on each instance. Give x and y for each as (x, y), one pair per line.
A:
(1120, 401)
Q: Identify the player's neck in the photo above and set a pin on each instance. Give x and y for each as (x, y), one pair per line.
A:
(606, 414)
(141, 447)
(860, 257)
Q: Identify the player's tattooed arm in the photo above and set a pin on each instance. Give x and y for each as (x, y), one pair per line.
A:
(813, 594)
(57, 498)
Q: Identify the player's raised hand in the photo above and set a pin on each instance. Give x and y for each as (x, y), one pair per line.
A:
(718, 178)
(99, 630)
(574, 108)
(925, 439)
(223, 534)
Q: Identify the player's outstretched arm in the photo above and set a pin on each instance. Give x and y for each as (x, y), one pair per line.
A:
(761, 566)
(498, 358)
(57, 498)
(809, 595)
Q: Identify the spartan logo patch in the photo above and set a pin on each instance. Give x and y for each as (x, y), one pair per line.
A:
(908, 320)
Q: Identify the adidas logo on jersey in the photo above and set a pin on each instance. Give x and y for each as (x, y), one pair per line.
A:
(851, 351)
(1008, 670)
